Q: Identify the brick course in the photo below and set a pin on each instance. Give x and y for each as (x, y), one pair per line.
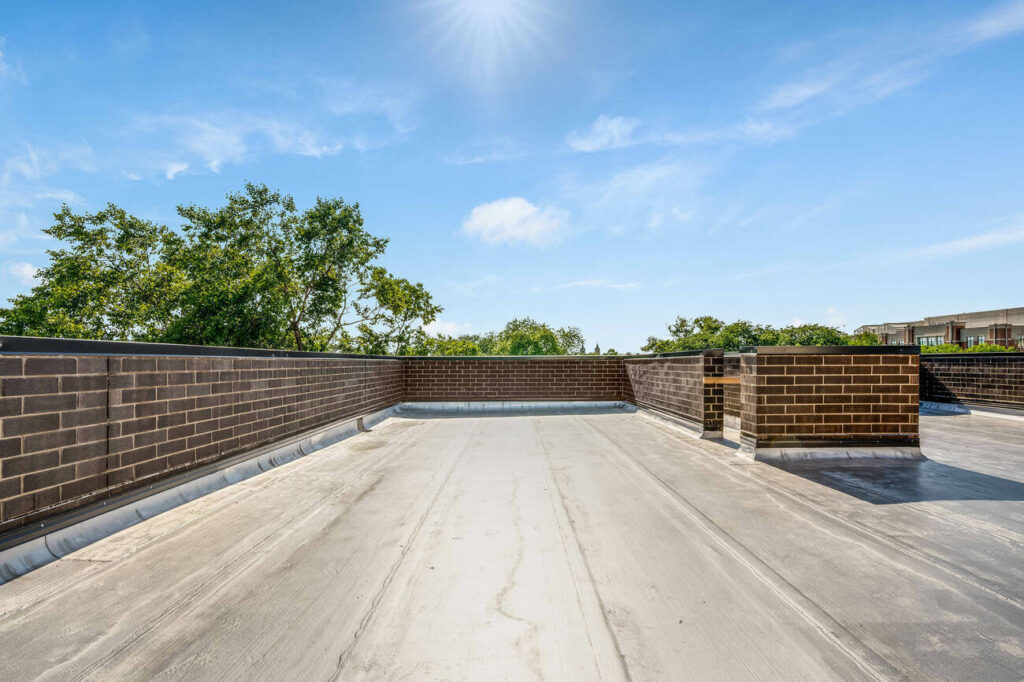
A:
(983, 378)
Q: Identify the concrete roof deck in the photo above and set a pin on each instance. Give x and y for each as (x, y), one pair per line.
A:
(560, 546)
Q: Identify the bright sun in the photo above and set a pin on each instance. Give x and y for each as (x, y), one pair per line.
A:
(487, 40)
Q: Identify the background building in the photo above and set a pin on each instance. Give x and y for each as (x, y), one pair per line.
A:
(1002, 327)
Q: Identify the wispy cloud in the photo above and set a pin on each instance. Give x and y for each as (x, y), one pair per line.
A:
(984, 241)
(1011, 232)
(10, 71)
(36, 163)
(438, 327)
(395, 102)
(516, 221)
(600, 283)
(998, 22)
(174, 168)
(495, 151)
(889, 62)
(476, 287)
(618, 132)
(646, 198)
(21, 272)
(607, 132)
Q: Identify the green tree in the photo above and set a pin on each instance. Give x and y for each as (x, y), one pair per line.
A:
(811, 335)
(526, 336)
(942, 348)
(570, 340)
(710, 332)
(256, 272)
(864, 339)
(106, 281)
(424, 344)
(990, 348)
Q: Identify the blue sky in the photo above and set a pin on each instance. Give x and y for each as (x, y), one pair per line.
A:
(608, 165)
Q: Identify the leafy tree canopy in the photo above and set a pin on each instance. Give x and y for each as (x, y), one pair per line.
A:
(711, 332)
(977, 348)
(521, 336)
(256, 272)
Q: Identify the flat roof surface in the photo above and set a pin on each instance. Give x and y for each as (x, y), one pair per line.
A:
(557, 546)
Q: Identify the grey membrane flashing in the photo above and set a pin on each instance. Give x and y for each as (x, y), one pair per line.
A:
(929, 407)
(676, 422)
(505, 406)
(38, 545)
(831, 454)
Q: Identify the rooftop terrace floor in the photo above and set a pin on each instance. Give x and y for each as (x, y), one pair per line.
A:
(557, 546)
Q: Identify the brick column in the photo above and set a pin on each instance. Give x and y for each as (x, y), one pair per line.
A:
(842, 401)
(714, 396)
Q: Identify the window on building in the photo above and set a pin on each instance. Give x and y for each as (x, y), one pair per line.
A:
(930, 340)
(975, 340)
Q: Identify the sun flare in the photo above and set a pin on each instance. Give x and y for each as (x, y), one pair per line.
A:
(487, 40)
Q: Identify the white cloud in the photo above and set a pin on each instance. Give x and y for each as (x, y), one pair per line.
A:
(493, 152)
(36, 163)
(476, 287)
(998, 22)
(889, 62)
(957, 247)
(9, 71)
(437, 327)
(607, 132)
(642, 199)
(790, 95)
(587, 284)
(174, 168)
(394, 102)
(835, 318)
(516, 221)
(23, 273)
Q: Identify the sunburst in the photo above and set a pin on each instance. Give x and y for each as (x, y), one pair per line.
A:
(487, 41)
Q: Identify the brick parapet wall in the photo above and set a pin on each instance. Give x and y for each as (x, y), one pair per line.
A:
(980, 378)
(830, 399)
(430, 379)
(75, 429)
(677, 386)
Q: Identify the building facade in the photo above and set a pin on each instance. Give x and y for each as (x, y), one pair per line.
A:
(1002, 327)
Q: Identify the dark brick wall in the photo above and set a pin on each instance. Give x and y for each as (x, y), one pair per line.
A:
(828, 399)
(984, 378)
(513, 378)
(731, 392)
(677, 385)
(77, 429)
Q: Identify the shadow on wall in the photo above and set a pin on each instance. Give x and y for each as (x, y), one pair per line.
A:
(912, 481)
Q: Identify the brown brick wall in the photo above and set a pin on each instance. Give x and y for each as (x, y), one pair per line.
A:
(74, 429)
(992, 379)
(731, 392)
(513, 378)
(676, 385)
(830, 399)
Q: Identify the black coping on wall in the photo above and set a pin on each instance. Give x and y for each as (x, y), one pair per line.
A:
(29, 345)
(838, 350)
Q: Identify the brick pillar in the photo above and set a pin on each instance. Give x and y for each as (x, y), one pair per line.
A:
(908, 335)
(714, 396)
